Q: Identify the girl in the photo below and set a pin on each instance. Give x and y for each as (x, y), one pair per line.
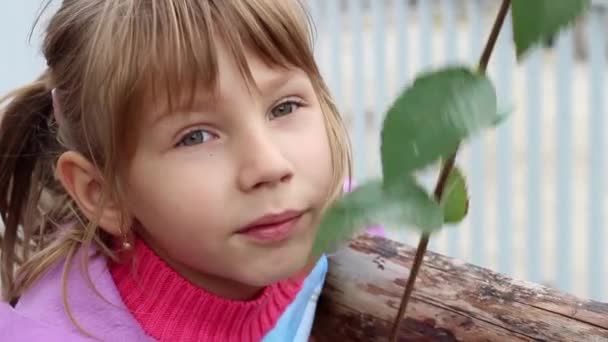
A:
(164, 177)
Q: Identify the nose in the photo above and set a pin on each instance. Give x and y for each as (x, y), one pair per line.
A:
(263, 162)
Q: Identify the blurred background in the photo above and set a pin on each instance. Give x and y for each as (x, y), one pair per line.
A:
(538, 208)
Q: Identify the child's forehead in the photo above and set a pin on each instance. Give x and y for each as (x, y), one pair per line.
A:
(194, 64)
(250, 69)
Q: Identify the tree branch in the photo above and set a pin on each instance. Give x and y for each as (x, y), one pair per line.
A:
(446, 169)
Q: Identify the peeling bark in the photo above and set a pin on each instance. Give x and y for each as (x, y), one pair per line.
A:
(452, 301)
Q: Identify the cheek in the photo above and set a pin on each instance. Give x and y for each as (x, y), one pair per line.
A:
(314, 154)
(168, 196)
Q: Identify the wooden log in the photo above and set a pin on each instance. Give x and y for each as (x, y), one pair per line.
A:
(452, 301)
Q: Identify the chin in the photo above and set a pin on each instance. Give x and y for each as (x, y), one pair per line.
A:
(275, 272)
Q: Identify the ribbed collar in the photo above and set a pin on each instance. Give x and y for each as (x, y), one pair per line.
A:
(170, 308)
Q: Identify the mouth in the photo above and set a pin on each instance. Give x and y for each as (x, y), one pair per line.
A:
(273, 227)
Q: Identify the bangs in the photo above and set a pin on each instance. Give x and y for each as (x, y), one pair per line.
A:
(164, 52)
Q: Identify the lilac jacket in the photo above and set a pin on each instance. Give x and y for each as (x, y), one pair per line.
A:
(40, 315)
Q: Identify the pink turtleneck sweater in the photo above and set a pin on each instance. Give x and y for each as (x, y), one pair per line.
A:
(170, 308)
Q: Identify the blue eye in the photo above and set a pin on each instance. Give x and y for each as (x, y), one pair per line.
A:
(285, 108)
(195, 137)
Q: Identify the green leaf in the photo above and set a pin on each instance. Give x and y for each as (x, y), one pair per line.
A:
(535, 21)
(402, 202)
(430, 119)
(455, 200)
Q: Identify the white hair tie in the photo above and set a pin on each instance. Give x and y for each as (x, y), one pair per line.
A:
(57, 111)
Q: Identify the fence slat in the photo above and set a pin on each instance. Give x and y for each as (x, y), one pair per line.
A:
(334, 27)
(425, 34)
(564, 144)
(450, 36)
(504, 150)
(315, 13)
(358, 104)
(477, 151)
(533, 114)
(596, 260)
(401, 20)
(450, 32)
(379, 24)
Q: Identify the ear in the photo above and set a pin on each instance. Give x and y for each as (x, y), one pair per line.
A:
(83, 181)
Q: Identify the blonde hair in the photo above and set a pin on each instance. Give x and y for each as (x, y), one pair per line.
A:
(104, 59)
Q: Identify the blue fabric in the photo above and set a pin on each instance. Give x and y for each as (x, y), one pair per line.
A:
(296, 322)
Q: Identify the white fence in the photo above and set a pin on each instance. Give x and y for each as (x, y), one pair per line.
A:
(538, 194)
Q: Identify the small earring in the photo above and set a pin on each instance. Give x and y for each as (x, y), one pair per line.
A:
(126, 244)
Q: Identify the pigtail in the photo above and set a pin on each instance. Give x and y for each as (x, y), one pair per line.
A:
(26, 170)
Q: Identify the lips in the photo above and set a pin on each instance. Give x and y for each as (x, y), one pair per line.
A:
(273, 227)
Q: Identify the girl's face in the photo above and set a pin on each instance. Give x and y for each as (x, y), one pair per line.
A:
(207, 185)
